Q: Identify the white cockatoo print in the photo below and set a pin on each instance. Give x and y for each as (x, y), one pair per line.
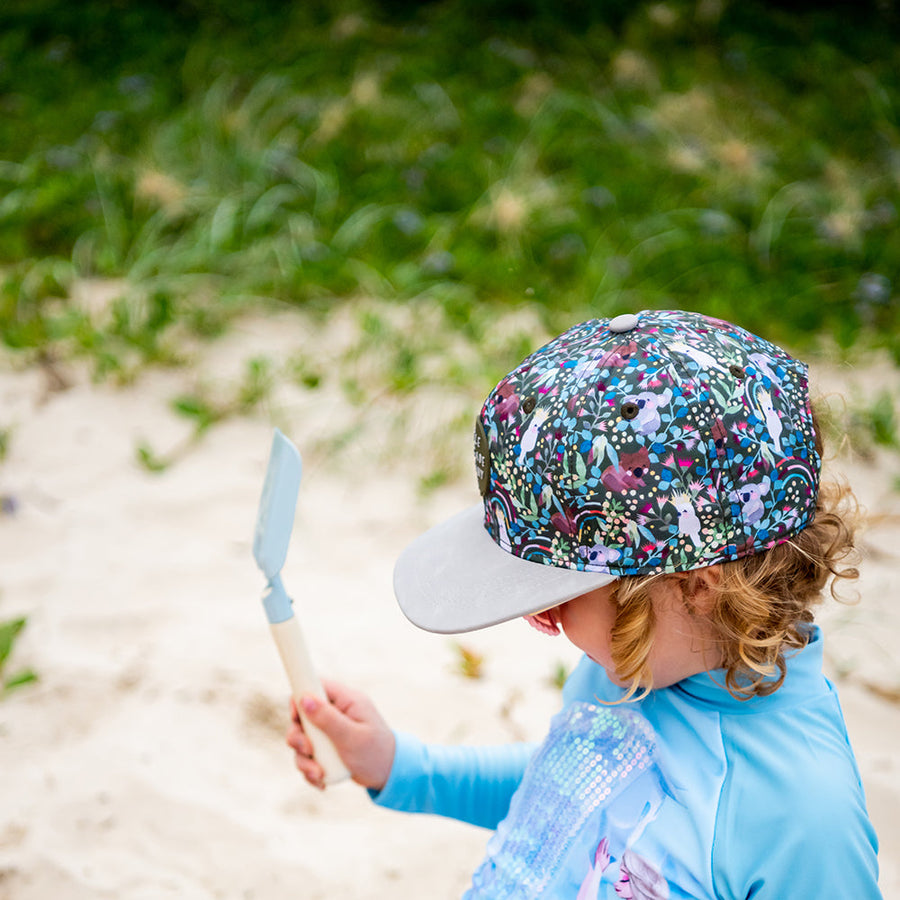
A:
(530, 438)
(772, 419)
(688, 522)
(703, 359)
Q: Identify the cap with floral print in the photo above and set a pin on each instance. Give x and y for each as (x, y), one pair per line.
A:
(657, 442)
(661, 441)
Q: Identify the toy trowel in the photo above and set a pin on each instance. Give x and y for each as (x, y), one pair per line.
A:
(274, 523)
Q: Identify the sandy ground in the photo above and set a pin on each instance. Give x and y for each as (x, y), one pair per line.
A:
(148, 761)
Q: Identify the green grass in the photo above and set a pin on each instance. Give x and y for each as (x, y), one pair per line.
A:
(204, 408)
(735, 158)
(10, 630)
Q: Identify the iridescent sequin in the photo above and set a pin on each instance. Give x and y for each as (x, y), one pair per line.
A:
(589, 756)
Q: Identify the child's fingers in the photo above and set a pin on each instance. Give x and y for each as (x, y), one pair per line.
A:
(341, 696)
(330, 719)
(310, 770)
(298, 741)
(349, 719)
(353, 704)
(303, 755)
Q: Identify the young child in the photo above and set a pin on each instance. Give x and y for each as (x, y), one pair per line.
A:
(650, 488)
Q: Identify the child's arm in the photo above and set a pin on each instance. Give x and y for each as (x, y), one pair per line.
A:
(474, 784)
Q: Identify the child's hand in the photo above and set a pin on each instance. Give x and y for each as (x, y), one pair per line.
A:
(355, 727)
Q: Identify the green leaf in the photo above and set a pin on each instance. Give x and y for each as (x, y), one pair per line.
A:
(9, 631)
(148, 458)
(26, 676)
(580, 467)
(198, 409)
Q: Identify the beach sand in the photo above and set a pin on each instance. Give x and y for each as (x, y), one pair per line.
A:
(149, 761)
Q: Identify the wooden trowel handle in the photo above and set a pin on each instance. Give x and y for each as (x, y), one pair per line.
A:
(303, 679)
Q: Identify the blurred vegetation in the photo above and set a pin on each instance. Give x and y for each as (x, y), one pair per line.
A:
(583, 159)
(469, 663)
(559, 676)
(860, 425)
(10, 630)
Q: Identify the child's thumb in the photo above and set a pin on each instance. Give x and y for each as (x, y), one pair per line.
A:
(326, 717)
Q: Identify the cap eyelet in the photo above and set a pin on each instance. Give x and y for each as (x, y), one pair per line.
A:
(528, 405)
(629, 410)
(737, 371)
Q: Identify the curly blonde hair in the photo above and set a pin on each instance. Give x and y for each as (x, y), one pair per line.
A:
(761, 605)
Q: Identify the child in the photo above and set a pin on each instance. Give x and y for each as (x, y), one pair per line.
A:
(650, 488)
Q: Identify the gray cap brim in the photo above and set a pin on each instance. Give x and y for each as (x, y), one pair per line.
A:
(454, 578)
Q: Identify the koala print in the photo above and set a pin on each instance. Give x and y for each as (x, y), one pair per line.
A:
(648, 420)
(598, 557)
(629, 474)
(749, 496)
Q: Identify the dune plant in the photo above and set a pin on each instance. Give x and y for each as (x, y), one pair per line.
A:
(558, 678)
(205, 407)
(10, 630)
(469, 663)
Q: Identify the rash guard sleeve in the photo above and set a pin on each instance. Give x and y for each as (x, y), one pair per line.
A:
(471, 783)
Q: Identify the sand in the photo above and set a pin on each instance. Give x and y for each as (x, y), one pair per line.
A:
(148, 761)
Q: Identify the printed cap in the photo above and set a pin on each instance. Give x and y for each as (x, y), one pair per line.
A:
(662, 441)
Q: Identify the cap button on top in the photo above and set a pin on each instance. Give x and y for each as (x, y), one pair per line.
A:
(623, 323)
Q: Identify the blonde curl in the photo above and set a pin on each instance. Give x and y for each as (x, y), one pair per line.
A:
(761, 605)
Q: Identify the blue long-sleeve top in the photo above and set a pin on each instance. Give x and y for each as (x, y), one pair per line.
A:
(688, 792)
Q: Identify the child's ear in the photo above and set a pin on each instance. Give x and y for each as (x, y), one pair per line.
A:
(700, 589)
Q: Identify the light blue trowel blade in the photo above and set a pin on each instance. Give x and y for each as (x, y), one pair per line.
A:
(275, 519)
